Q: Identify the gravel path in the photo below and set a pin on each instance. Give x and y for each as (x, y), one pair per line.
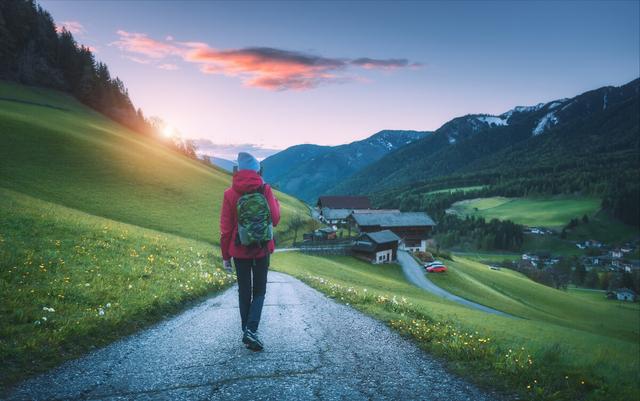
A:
(316, 349)
(415, 274)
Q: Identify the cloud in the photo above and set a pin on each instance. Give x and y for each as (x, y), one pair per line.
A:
(70, 26)
(139, 60)
(268, 68)
(230, 151)
(387, 64)
(258, 67)
(140, 43)
(169, 67)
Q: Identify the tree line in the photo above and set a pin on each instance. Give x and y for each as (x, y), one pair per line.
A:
(34, 53)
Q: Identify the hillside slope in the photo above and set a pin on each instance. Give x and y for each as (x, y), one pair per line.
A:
(307, 171)
(589, 135)
(55, 149)
(88, 209)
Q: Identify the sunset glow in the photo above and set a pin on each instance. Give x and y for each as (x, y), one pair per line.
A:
(272, 75)
(168, 131)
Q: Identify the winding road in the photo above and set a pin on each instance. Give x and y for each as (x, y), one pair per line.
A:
(415, 274)
(316, 349)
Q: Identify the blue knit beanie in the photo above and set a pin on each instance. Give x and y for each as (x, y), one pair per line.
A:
(248, 162)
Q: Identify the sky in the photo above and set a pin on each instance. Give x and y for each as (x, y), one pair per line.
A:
(263, 76)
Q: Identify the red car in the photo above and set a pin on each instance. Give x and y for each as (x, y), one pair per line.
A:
(435, 267)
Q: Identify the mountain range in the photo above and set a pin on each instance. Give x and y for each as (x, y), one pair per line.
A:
(549, 138)
(585, 143)
(308, 171)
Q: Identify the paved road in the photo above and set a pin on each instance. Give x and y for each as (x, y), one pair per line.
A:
(316, 349)
(415, 274)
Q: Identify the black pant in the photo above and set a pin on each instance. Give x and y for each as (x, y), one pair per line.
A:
(251, 307)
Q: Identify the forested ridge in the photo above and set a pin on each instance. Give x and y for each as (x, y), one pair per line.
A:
(34, 53)
(594, 151)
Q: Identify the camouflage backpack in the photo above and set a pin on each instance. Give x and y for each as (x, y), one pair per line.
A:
(255, 228)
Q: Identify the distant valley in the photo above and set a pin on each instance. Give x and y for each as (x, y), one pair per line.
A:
(587, 144)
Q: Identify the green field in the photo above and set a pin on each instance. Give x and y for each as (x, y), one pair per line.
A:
(569, 340)
(489, 257)
(551, 212)
(97, 218)
(605, 228)
(78, 158)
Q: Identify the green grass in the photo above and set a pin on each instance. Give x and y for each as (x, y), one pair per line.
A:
(516, 294)
(552, 212)
(597, 346)
(96, 217)
(603, 227)
(551, 244)
(80, 159)
(489, 257)
(78, 264)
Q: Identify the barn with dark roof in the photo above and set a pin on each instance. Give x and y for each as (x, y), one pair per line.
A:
(377, 247)
(336, 209)
(413, 228)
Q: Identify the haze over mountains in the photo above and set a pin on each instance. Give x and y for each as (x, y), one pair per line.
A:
(309, 170)
(595, 132)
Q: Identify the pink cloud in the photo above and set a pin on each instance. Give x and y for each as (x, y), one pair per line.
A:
(257, 67)
(268, 68)
(70, 26)
(140, 43)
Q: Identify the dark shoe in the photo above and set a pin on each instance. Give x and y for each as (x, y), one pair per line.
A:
(253, 342)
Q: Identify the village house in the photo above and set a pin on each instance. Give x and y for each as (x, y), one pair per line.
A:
(591, 243)
(537, 231)
(630, 267)
(334, 210)
(413, 228)
(625, 294)
(616, 254)
(377, 247)
(325, 233)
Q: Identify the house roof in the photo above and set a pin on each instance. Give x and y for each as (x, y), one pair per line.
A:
(402, 219)
(344, 202)
(364, 246)
(335, 214)
(376, 211)
(383, 237)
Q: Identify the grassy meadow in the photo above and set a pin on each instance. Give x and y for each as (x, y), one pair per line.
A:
(78, 158)
(543, 354)
(551, 212)
(102, 230)
(71, 281)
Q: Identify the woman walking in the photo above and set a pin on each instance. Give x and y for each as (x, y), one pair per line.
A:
(249, 213)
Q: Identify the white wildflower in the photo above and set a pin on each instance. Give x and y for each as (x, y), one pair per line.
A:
(101, 312)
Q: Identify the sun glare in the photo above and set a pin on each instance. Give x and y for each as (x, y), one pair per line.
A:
(168, 131)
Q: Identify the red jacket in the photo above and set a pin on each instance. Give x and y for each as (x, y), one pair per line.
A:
(243, 181)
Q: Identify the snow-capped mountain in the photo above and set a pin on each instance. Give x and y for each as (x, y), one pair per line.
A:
(468, 144)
